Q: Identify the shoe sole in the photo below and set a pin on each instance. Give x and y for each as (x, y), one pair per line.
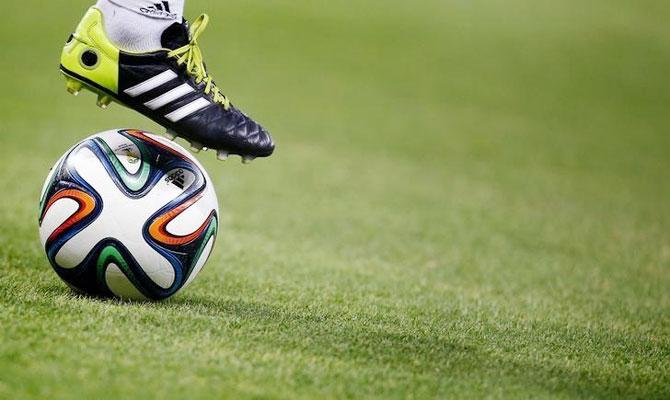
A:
(75, 83)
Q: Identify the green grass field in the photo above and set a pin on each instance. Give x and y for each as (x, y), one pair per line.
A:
(469, 199)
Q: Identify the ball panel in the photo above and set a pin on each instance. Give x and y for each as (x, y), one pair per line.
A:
(114, 160)
(50, 176)
(86, 205)
(159, 233)
(119, 284)
(176, 147)
(58, 213)
(202, 259)
(193, 217)
(124, 150)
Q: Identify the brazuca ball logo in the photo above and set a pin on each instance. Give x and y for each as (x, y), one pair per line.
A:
(161, 9)
(132, 156)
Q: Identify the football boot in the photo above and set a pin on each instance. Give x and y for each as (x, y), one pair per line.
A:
(171, 86)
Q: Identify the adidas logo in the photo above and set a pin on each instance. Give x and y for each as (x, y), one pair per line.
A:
(161, 9)
(177, 178)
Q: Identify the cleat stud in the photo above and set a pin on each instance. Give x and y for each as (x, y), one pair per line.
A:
(170, 134)
(73, 86)
(222, 155)
(196, 147)
(103, 101)
(247, 159)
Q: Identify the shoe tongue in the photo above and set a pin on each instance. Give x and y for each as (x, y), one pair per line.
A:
(176, 36)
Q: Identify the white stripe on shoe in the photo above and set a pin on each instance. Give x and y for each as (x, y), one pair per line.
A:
(170, 96)
(151, 83)
(188, 109)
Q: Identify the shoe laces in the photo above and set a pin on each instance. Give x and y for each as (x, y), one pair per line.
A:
(191, 55)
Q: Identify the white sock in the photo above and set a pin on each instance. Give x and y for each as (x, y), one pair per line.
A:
(137, 25)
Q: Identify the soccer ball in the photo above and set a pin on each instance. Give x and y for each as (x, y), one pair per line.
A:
(128, 214)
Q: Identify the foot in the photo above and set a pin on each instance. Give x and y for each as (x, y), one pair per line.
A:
(171, 86)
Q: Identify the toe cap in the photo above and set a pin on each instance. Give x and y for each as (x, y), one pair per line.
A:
(257, 141)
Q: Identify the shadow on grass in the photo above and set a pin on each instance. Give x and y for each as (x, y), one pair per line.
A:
(440, 353)
(408, 349)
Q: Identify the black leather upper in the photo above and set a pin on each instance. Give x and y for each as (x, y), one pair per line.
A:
(213, 126)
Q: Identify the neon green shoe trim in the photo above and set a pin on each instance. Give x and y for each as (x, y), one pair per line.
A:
(191, 55)
(90, 37)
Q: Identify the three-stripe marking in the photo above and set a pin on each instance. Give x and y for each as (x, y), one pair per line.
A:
(187, 110)
(151, 83)
(169, 96)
